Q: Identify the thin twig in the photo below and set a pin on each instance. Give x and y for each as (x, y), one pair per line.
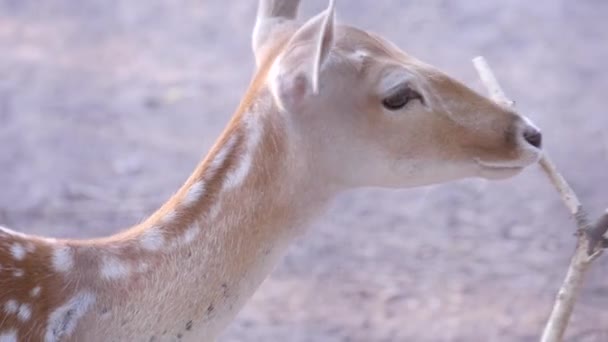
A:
(591, 239)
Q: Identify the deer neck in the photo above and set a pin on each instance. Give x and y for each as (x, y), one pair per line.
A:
(208, 248)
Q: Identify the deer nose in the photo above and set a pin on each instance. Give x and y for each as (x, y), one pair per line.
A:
(533, 136)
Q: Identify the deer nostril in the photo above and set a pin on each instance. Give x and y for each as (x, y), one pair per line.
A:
(533, 137)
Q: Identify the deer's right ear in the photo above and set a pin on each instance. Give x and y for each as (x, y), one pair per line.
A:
(296, 73)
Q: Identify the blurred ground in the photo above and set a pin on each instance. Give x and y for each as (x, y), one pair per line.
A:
(106, 106)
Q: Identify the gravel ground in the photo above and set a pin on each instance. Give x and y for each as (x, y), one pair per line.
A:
(106, 106)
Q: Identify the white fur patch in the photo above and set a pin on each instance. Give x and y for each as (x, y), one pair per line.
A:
(187, 236)
(190, 234)
(152, 239)
(63, 259)
(11, 307)
(35, 292)
(18, 273)
(113, 269)
(195, 193)
(8, 336)
(63, 321)
(253, 134)
(221, 156)
(18, 251)
(25, 312)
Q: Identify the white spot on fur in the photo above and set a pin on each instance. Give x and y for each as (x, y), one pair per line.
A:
(18, 251)
(35, 292)
(112, 268)
(253, 135)
(63, 259)
(195, 192)
(187, 236)
(25, 312)
(190, 233)
(221, 156)
(18, 273)
(9, 336)
(11, 306)
(63, 320)
(152, 239)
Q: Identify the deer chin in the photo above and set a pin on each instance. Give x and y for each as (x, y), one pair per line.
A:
(497, 171)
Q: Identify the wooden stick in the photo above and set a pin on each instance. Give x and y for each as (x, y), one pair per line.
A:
(591, 239)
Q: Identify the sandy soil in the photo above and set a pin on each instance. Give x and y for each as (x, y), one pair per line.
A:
(106, 106)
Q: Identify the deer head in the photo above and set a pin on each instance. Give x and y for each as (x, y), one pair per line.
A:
(368, 114)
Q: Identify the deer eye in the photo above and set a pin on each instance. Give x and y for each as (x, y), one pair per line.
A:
(400, 97)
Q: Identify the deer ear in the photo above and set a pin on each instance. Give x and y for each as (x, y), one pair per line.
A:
(273, 18)
(298, 70)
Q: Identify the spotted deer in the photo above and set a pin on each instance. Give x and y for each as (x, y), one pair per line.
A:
(331, 107)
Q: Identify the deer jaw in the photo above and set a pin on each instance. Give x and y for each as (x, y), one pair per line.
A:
(330, 82)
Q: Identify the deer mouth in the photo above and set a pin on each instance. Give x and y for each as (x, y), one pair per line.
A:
(494, 170)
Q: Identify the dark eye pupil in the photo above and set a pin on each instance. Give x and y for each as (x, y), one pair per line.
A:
(395, 102)
(400, 98)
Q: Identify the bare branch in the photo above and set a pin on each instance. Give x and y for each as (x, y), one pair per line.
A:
(490, 82)
(591, 238)
(567, 194)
